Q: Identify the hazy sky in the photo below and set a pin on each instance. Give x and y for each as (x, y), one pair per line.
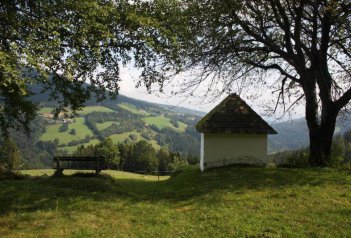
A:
(129, 78)
(197, 101)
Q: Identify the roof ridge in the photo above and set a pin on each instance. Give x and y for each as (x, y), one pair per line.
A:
(264, 121)
(210, 113)
(244, 120)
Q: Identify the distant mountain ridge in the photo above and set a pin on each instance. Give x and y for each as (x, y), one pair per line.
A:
(43, 100)
(293, 134)
(128, 119)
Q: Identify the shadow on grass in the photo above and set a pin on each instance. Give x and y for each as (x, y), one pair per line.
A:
(69, 191)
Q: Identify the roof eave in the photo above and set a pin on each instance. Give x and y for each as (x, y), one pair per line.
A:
(228, 131)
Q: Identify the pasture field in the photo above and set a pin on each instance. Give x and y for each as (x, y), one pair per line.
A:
(90, 109)
(226, 202)
(104, 125)
(119, 138)
(132, 108)
(84, 111)
(163, 122)
(52, 131)
(71, 149)
(182, 127)
(45, 110)
(81, 129)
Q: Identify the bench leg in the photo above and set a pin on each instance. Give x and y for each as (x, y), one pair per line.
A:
(58, 172)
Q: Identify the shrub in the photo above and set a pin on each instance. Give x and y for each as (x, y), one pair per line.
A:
(346, 166)
(9, 155)
(73, 132)
(133, 137)
(297, 158)
(64, 127)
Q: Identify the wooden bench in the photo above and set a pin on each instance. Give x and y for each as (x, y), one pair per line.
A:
(96, 163)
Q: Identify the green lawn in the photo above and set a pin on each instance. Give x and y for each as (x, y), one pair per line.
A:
(114, 174)
(52, 132)
(163, 122)
(230, 202)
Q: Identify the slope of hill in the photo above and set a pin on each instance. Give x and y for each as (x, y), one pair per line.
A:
(130, 120)
(123, 122)
(293, 134)
(227, 202)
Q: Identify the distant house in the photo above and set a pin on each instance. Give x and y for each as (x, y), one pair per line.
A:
(233, 133)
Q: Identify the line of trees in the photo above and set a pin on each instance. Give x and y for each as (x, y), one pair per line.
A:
(137, 157)
(9, 155)
(340, 154)
(125, 121)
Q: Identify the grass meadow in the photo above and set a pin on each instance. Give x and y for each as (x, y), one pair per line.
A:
(104, 125)
(226, 202)
(132, 108)
(71, 149)
(53, 132)
(119, 138)
(90, 109)
(163, 122)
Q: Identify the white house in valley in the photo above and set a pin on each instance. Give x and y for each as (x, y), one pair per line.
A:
(233, 133)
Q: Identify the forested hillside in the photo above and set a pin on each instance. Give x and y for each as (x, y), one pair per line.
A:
(293, 134)
(128, 121)
(124, 121)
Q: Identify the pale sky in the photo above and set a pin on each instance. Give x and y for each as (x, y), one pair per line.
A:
(129, 78)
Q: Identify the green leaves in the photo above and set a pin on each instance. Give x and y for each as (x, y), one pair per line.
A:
(67, 44)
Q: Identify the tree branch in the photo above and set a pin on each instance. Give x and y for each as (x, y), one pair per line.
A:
(343, 100)
(273, 66)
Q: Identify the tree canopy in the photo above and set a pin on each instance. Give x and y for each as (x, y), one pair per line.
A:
(305, 42)
(63, 45)
(74, 49)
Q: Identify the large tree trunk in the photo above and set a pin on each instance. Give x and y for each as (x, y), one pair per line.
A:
(328, 121)
(321, 130)
(321, 139)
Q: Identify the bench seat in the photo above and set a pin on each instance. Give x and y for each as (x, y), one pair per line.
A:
(96, 163)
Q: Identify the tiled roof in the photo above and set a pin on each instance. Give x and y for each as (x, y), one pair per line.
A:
(233, 115)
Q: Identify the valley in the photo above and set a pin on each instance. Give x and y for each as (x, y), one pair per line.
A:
(95, 123)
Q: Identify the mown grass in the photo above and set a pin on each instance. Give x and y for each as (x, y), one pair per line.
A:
(228, 202)
(112, 173)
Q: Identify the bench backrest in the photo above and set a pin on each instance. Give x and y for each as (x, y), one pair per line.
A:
(81, 162)
(79, 158)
